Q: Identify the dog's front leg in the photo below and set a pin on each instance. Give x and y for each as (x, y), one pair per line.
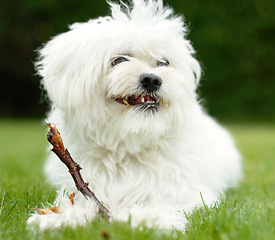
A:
(82, 212)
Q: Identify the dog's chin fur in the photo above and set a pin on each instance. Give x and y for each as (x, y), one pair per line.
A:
(149, 163)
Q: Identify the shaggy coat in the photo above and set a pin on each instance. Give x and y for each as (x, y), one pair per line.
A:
(147, 148)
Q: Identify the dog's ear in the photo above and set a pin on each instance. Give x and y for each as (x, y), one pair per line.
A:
(189, 64)
(70, 65)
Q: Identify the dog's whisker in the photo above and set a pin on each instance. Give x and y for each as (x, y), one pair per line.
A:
(145, 109)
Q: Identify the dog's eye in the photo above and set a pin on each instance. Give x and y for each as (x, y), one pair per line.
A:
(118, 60)
(162, 63)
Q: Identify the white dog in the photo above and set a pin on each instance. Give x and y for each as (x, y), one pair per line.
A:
(123, 93)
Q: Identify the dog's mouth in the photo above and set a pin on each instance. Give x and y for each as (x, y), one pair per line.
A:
(144, 101)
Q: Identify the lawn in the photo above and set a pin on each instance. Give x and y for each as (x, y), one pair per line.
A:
(247, 213)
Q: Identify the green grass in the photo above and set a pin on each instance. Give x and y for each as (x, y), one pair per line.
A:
(247, 213)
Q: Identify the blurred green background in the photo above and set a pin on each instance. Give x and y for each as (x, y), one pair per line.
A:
(235, 42)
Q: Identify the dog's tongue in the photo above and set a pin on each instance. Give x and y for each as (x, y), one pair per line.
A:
(141, 99)
(148, 98)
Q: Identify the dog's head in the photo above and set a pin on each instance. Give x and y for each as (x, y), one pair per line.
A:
(130, 72)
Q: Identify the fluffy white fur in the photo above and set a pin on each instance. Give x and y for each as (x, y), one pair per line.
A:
(147, 165)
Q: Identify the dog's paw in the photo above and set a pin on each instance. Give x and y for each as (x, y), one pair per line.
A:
(160, 216)
(70, 215)
(47, 221)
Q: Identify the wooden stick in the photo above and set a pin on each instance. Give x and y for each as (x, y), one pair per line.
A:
(74, 169)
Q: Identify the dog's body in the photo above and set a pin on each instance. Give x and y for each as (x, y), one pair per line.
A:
(123, 93)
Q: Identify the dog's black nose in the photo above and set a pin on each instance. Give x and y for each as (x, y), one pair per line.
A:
(150, 82)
